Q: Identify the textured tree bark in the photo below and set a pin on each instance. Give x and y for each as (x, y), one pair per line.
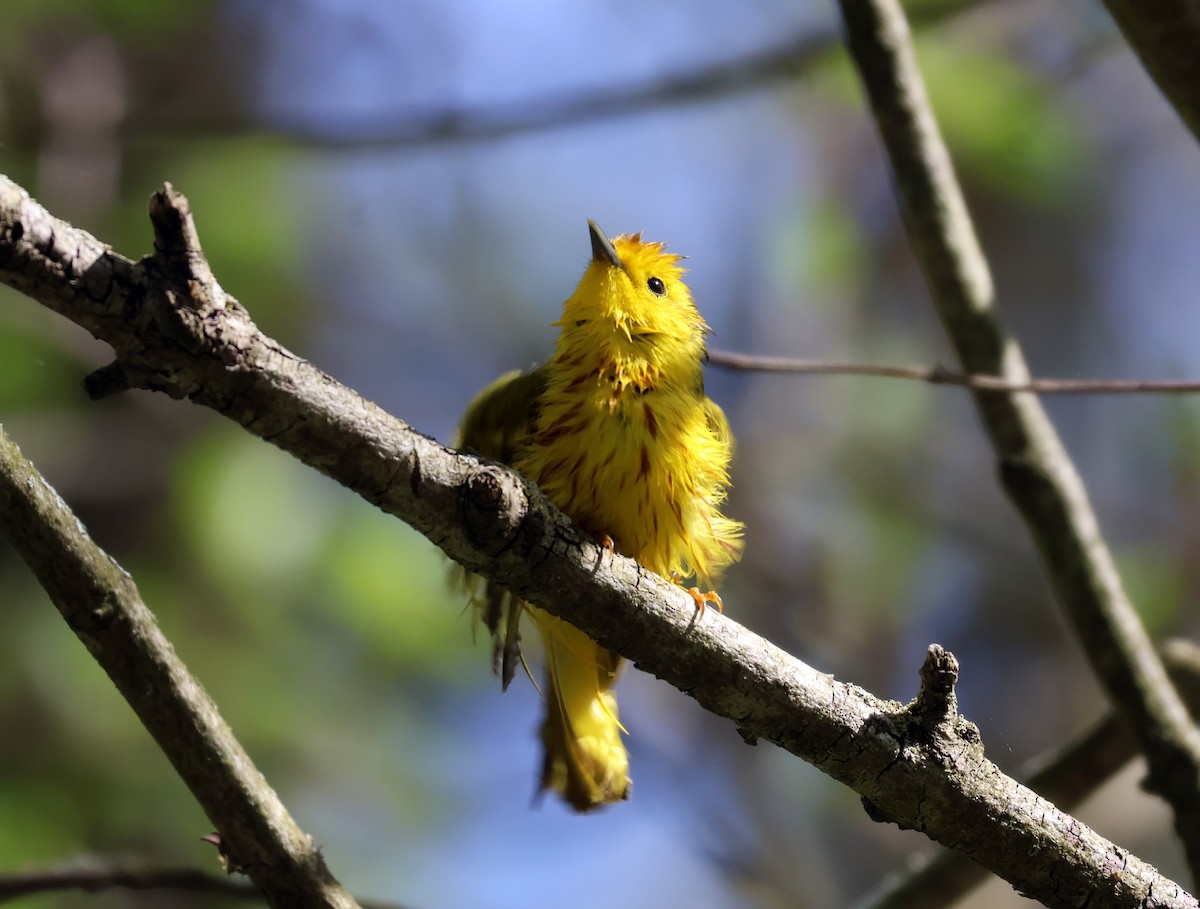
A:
(101, 604)
(1034, 468)
(920, 766)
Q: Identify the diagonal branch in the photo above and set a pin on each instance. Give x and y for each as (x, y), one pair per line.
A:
(92, 874)
(1035, 470)
(1165, 34)
(1066, 776)
(100, 603)
(755, 70)
(920, 766)
(335, 131)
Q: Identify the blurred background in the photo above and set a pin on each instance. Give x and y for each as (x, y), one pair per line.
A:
(398, 191)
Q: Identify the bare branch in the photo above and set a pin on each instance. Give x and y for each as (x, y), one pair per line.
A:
(100, 603)
(755, 70)
(1165, 34)
(1065, 776)
(1035, 470)
(187, 340)
(938, 375)
(94, 873)
(337, 132)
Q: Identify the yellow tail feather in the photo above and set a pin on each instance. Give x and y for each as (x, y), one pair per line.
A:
(585, 760)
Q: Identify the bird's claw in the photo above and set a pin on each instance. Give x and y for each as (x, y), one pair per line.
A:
(701, 599)
(709, 596)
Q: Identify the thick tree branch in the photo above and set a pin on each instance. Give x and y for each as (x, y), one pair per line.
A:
(1064, 776)
(1035, 470)
(100, 603)
(921, 767)
(1165, 34)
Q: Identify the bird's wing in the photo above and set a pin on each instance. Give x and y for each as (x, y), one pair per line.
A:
(718, 423)
(501, 417)
(496, 425)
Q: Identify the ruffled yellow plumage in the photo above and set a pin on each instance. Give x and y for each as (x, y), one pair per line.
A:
(617, 431)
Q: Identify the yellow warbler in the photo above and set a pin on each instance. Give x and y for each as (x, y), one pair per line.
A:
(616, 430)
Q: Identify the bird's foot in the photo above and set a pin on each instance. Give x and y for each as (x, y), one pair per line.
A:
(702, 599)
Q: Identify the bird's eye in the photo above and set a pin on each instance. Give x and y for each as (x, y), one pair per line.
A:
(656, 286)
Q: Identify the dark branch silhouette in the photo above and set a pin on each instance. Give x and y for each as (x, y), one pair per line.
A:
(93, 874)
(333, 131)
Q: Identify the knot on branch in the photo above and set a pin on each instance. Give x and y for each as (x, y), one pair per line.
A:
(494, 507)
(929, 728)
(936, 704)
(177, 251)
(174, 303)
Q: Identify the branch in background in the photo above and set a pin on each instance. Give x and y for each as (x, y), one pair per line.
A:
(100, 603)
(94, 873)
(938, 375)
(1066, 776)
(1165, 34)
(175, 330)
(334, 131)
(1035, 470)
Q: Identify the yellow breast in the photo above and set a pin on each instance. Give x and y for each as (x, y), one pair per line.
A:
(642, 466)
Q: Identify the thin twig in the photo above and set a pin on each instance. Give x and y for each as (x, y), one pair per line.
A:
(939, 375)
(95, 873)
(101, 604)
(1036, 471)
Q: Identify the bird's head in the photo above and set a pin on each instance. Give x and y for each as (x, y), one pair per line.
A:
(632, 298)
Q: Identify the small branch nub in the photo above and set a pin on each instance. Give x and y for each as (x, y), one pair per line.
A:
(178, 252)
(106, 381)
(936, 703)
(493, 509)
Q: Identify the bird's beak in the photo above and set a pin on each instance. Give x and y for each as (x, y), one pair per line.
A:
(602, 248)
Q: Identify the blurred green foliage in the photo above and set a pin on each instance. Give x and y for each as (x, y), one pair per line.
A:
(259, 254)
(36, 372)
(128, 19)
(330, 635)
(1006, 126)
(1007, 130)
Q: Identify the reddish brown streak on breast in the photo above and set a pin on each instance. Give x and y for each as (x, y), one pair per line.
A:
(651, 422)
